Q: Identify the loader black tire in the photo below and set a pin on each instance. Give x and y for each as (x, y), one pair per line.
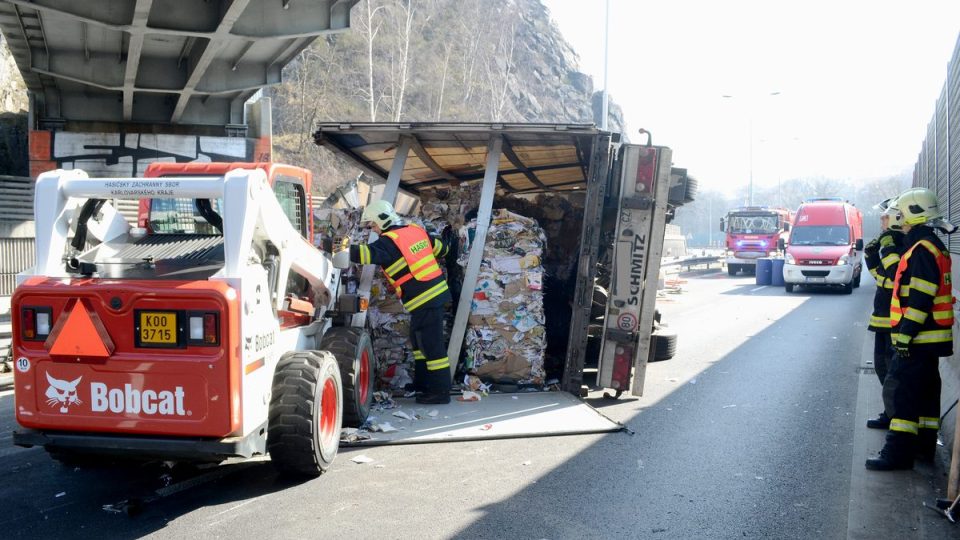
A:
(353, 350)
(306, 413)
(663, 346)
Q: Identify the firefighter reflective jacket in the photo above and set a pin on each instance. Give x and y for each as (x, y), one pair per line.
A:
(882, 258)
(921, 310)
(408, 256)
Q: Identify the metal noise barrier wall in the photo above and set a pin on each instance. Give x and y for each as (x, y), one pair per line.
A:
(938, 163)
(16, 255)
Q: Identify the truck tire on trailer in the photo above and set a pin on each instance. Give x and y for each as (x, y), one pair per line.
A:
(306, 413)
(354, 353)
(663, 346)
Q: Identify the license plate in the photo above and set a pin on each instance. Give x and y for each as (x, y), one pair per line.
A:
(158, 328)
(816, 280)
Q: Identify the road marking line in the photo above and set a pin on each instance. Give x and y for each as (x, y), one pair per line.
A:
(758, 288)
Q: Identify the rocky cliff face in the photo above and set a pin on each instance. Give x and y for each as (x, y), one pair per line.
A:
(13, 93)
(433, 60)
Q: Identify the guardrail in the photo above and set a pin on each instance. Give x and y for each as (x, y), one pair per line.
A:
(693, 261)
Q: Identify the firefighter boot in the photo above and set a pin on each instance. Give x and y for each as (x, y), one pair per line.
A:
(882, 421)
(896, 454)
(926, 448)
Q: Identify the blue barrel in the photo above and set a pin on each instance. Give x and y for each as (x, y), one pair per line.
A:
(764, 270)
(777, 271)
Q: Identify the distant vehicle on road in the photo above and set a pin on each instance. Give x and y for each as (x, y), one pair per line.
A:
(825, 246)
(753, 232)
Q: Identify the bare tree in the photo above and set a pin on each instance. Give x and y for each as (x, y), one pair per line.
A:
(369, 26)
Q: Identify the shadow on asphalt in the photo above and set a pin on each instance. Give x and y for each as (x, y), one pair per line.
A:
(734, 467)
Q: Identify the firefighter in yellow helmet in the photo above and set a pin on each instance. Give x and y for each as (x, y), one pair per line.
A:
(921, 323)
(882, 255)
(409, 257)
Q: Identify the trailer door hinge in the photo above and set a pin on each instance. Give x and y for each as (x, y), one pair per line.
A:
(626, 338)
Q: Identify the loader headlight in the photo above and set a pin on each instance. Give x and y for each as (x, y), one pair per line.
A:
(843, 260)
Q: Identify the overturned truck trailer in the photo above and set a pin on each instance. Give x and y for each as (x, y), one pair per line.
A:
(628, 193)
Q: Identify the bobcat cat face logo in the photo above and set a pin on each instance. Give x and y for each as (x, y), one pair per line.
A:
(63, 393)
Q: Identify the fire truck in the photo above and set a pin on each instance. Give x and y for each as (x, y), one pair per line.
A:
(753, 232)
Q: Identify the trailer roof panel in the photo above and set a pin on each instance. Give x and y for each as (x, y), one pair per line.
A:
(535, 157)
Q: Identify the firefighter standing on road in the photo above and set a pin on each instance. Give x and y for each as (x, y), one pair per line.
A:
(882, 256)
(921, 317)
(408, 257)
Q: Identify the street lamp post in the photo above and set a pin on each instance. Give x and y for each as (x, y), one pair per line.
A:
(750, 137)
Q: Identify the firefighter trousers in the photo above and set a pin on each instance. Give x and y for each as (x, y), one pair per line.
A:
(882, 351)
(431, 366)
(911, 396)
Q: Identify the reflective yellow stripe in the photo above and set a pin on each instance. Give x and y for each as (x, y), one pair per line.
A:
(880, 322)
(923, 285)
(890, 260)
(440, 363)
(418, 355)
(927, 422)
(934, 336)
(426, 272)
(904, 426)
(945, 299)
(391, 235)
(874, 273)
(364, 254)
(426, 296)
(902, 339)
(437, 247)
(943, 315)
(915, 315)
(396, 267)
(417, 265)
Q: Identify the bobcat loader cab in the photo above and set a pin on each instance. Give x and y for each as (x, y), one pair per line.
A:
(212, 330)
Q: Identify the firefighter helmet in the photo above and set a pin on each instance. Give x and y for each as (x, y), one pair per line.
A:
(918, 206)
(382, 213)
(888, 208)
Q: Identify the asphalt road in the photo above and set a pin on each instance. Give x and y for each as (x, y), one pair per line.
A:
(747, 433)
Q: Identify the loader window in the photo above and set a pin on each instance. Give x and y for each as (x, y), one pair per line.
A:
(180, 216)
(293, 200)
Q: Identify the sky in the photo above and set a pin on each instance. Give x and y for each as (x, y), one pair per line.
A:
(857, 81)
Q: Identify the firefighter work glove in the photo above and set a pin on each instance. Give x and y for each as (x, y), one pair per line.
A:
(341, 259)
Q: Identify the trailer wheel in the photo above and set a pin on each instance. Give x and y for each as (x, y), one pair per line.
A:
(354, 353)
(306, 413)
(663, 346)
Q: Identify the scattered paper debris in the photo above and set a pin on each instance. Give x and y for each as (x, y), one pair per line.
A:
(361, 459)
(693, 381)
(383, 427)
(433, 414)
(401, 414)
(486, 427)
(514, 397)
(469, 395)
(350, 435)
(729, 406)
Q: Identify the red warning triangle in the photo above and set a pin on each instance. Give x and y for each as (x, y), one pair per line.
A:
(79, 332)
